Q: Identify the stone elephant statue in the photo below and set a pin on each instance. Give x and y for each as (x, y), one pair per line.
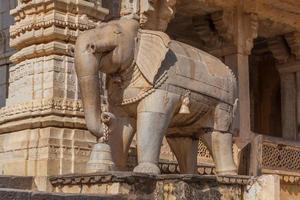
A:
(157, 88)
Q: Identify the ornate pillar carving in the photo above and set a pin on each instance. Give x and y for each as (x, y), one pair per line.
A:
(231, 39)
(239, 37)
(42, 127)
(286, 51)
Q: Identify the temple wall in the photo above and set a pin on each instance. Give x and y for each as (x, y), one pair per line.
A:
(41, 125)
(42, 128)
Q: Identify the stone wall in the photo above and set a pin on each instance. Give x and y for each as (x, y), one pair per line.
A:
(5, 51)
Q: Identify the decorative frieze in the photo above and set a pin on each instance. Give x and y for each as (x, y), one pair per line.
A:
(129, 177)
(40, 106)
(45, 151)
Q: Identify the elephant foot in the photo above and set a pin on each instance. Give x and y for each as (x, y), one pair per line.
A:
(147, 168)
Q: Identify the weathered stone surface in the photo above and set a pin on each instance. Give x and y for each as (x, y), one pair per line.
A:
(13, 194)
(43, 91)
(266, 187)
(17, 182)
(143, 186)
(45, 33)
(53, 196)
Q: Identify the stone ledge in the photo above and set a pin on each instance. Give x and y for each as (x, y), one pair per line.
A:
(131, 177)
(145, 186)
(13, 194)
(17, 182)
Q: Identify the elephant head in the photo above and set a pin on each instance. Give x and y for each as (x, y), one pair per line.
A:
(111, 48)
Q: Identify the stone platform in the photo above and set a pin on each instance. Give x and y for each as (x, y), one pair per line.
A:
(140, 186)
(24, 188)
(133, 186)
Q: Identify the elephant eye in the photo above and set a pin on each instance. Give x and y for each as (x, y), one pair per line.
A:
(117, 31)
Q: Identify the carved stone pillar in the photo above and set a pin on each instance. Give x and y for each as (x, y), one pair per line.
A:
(286, 50)
(290, 97)
(42, 128)
(238, 29)
(243, 31)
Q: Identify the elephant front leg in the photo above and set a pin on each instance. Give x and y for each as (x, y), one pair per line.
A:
(120, 140)
(154, 115)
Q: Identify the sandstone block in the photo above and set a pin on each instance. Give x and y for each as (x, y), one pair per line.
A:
(265, 187)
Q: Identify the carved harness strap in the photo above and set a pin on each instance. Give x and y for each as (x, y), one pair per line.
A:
(140, 96)
(146, 93)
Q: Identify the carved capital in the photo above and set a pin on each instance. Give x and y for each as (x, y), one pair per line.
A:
(209, 37)
(293, 40)
(246, 32)
(279, 49)
(156, 14)
(236, 28)
(222, 21)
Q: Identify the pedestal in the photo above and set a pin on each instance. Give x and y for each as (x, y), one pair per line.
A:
(140, 186)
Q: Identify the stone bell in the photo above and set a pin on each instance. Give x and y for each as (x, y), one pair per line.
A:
(184, 109)
(101, 156)
(101, 159)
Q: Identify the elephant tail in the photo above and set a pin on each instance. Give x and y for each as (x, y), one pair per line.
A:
(234, 110)
(234, 126)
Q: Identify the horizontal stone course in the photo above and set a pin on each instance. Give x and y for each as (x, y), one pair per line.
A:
(14, 194)
(147, 186)
(17, 182)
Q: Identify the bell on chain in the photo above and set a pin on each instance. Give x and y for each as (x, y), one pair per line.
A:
(101, 157)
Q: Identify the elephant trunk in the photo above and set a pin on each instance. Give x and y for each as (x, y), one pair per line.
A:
(86, 64)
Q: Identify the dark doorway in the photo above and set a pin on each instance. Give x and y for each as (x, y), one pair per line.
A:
(265, 93)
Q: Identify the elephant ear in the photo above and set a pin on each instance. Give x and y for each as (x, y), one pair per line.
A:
(152, 49)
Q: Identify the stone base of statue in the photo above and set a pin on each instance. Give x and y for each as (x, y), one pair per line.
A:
(131, 185)
(100, 159)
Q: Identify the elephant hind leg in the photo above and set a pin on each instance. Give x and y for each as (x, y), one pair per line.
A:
(219, 141)
(185, 150)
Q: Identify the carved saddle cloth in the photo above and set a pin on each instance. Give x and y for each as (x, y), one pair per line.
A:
(199, 72)
(187, 67)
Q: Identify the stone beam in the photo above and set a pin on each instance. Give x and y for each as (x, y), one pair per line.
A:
(286, 12)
